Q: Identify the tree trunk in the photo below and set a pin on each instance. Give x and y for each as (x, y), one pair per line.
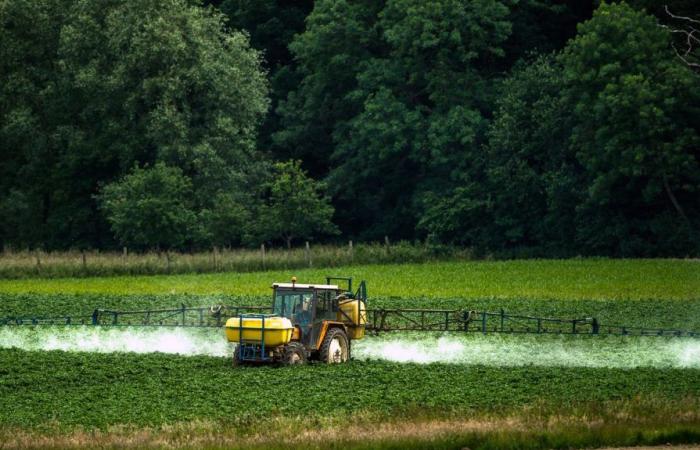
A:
(673, 199)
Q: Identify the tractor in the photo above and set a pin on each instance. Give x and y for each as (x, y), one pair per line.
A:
(309, 322)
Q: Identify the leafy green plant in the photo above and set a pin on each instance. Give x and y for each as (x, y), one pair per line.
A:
(296, 207)
(150, 208)
(95, 390)
(519, 279)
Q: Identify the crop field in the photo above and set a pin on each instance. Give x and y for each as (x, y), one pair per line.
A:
(539, 279)
(323, 224)
(133, 387)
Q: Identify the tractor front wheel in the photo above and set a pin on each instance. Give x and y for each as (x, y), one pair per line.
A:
(294, 353)
(335, 347)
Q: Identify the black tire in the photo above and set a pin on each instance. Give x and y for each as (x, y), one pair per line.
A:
(294, 353)
(236, 357)
(335, 347)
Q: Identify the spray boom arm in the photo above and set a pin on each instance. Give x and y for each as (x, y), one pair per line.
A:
(378, 320)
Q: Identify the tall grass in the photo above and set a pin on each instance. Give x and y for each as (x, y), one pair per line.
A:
(624, 422)
(295, 434)
(27, 264)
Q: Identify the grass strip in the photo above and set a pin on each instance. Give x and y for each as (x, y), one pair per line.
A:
(528, 428)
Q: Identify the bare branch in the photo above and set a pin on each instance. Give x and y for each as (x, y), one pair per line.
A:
(688, 19)
(690, 54)
(684, 57)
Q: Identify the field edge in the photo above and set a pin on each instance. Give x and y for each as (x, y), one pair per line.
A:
(512, 432)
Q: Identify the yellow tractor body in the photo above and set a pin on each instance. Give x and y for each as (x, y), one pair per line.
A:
(277, 330)
(308, 322)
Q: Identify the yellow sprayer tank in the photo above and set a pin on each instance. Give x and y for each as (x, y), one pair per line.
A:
(278, 330)
(356, 311)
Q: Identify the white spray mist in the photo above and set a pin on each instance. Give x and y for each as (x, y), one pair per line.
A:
(181, 341)
(472, 349)
(509, 350)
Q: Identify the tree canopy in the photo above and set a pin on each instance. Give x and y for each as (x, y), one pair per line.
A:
(295, 206)
(636, 133)
(151, 207)
(91, 88)
(516, 127)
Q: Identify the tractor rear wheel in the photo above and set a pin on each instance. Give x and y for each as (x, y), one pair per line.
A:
(294, 353)
(335, 347)
(237, 356)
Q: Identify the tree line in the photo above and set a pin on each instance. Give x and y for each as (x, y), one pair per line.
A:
(516, 127)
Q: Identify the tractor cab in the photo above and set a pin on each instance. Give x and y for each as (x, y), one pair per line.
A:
(308, 321)
(311, 307)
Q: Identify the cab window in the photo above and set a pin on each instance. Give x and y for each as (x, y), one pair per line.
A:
(290, 303)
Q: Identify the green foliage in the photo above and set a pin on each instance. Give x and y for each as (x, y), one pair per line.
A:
(525, 191)
(589, 152)
(577, 279)
(271, 24)
(295, 208)
(91, 89)
(150, 208)
(338, 37)
(395, 95)
(542, 26)
(401, 110)
(148, 390)
(636, 133)
(88, 390)
(492, 123)
(95, 390)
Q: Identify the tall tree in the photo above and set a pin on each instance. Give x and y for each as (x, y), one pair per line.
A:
(339, 39)
(523, 195)
(637, 133)
(295, 208)
(272, 25)
(98, 87)
(151, 208)
(543, 26)
(393, 94)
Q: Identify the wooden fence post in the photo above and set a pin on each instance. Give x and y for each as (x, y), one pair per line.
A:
(262, 252)
(307, 252)
(38, 259)
(82, 255)
(352, 256)
(386, 243)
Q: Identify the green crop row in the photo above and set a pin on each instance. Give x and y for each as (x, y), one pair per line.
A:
(680, 314)
(96, 390)
(532, 279)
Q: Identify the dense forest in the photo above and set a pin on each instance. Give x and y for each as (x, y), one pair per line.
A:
(514, 127)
